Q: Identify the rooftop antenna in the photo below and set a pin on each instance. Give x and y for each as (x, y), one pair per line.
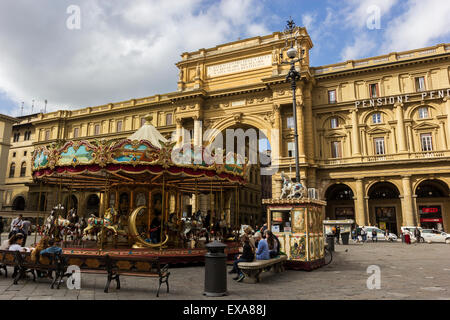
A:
(45, 107)
(21, 109)
(32, 106)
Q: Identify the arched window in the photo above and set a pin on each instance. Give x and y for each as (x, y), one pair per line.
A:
(12, 170)
(23, 169)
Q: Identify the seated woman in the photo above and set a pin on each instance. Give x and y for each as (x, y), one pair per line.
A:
(41, 245)
(16, 242)
(273, 244)
(246, 256)
(262, 253)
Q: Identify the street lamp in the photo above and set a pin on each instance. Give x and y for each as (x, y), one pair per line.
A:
(291, 34)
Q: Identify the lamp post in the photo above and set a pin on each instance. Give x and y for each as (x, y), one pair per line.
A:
(293, 76)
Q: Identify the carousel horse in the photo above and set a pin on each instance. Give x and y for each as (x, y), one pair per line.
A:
(192, 228)
(106, 223)
(74, 230)
(291, 190)
(175, 227)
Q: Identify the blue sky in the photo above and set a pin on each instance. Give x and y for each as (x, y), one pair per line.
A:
(127, 49)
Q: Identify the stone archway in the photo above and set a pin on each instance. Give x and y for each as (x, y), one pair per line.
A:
(385, 206)
(340, 202)
(433, 204)
(257, 147)
(93, 205)
(19, 203)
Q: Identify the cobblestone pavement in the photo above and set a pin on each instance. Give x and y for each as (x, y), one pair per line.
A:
(417, 271)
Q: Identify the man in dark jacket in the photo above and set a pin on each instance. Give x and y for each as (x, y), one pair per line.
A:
(417, 234)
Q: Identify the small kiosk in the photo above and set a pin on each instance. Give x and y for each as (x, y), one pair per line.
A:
(297, 222)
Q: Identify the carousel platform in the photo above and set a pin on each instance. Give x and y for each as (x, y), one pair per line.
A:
(173, 256)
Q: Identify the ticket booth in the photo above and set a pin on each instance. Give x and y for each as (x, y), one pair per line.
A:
(298, 225)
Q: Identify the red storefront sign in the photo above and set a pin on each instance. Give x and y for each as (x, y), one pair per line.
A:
(430, 210)
(431, 220)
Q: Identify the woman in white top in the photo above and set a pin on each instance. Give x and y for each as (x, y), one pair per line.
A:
(16, 242)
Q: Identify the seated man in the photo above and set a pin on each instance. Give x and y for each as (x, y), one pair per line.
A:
(53, 247)
(262, 253)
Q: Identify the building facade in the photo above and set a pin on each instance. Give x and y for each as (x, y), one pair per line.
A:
(374, 134)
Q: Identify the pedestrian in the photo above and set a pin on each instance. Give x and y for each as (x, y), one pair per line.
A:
(25, 229)
(407, 237)
(338, 233)
(363, 235)
(386, 235)
(16, 225)
(354, 234)
(417, 234)
(374, 235)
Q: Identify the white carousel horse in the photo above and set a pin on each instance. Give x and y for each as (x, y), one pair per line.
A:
(290, 189)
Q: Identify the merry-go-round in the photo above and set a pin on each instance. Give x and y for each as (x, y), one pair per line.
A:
(141, 181)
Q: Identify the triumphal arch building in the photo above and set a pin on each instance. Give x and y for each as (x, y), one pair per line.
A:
(374, 134)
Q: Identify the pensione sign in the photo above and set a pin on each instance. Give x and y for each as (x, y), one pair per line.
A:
(379, 102)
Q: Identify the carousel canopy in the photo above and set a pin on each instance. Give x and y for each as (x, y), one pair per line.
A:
(145, 158)
(148, 133)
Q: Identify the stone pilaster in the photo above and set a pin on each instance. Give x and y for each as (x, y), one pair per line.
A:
(407, 203)
(355, 134)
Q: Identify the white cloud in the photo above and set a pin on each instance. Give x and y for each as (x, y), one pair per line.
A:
(419, 26)
(123, 50)
(361, 47)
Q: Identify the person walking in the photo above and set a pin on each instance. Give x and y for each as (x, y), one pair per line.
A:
(16, 225)
(338, 234)
(417, 235)
(363, 235)
(374, 235)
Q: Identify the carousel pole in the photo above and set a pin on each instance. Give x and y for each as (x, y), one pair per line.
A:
(38, 209)
(211, 199)
(162, 210)
(55, 222)
(196, 196)
(102, 205)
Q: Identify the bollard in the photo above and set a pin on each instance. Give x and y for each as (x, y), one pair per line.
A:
(215, 270)
(330, 242)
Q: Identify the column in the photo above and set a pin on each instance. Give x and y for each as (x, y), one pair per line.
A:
(197, 131)
(407, 205)
(179, 131)
(300, 130)
(443, 139)
(360, 210)
(400, 128)
(198, 137)
(355, 134)
(410, 138)
(275, 137)
(447, 107)
(364, 142)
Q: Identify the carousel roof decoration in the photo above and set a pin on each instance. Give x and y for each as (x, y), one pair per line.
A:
(144, 157)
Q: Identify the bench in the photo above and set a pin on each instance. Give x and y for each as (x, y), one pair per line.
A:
(115, 266)
(252, 270)
(23, 264)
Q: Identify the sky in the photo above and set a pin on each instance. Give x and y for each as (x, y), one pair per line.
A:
(81, 53)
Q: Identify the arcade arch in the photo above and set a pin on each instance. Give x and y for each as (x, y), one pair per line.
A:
(385, 206)
(433, 202)
(340, 203)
